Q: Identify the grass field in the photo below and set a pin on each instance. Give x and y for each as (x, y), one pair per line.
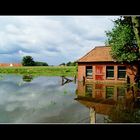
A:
(41, 70)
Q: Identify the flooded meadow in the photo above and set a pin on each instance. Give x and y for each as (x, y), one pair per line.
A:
(48, 99)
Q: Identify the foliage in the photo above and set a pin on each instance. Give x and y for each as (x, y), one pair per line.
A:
(62, 64)
(71, 63)
(123, 41)
(122, 113)
(41, 64)
(136, 28)
(28, 61)
(41, 70)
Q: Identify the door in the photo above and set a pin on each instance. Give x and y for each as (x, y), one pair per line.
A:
(99, 73)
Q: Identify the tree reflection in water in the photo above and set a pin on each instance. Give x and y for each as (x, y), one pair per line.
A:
(119, 103)
(127, 110)
(27, 78)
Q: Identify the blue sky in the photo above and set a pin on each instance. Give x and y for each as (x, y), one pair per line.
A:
(51, 39)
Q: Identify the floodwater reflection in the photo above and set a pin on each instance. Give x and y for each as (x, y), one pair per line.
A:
(42, 100)
(110, 103)
(27, 78)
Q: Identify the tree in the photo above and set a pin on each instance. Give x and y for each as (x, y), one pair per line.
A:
(136, 27)
(41, 64)
(28, 61)
(123, 42)
(62, 64)
(71, 63)
(126, 110)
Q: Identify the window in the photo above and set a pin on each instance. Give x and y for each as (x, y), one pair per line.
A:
(109, 92)
(109, 71)
(89, 71)
(89, 90)
(121, 71)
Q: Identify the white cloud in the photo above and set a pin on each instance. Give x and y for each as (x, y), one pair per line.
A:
(54, 39)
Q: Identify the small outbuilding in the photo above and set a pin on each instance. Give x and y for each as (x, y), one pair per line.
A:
(98, 65)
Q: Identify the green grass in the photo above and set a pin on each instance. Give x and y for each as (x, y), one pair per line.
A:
(41, 70)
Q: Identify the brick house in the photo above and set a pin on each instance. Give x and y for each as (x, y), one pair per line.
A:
(98, 65)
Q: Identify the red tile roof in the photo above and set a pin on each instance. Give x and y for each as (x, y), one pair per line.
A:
(100, 108)
(98, 54)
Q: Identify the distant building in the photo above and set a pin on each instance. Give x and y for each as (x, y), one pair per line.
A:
(98, 65)
(10, 65)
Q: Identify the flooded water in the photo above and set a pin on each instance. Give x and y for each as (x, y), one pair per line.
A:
(26, 99)
(42, 99)
(110, 103)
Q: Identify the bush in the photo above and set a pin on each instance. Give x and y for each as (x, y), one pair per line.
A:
(41, 64)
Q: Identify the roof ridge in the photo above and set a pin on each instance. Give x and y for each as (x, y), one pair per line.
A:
(102, 46)
(96, 47)
(87, 54)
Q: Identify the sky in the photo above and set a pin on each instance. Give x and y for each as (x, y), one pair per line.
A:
(51, 39)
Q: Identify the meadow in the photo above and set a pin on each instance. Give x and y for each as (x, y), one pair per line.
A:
(41, 70)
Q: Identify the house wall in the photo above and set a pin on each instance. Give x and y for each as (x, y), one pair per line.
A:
(130, 71)
(81, 72)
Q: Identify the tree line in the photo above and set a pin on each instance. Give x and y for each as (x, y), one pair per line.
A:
(69, 64)
(28, 61)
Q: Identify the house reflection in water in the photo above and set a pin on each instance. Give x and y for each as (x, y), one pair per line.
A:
(102, 98)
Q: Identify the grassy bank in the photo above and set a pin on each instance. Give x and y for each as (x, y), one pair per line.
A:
(41, 70)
